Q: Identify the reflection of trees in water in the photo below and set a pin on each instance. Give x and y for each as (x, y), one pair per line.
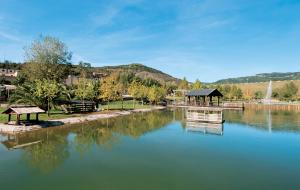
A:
(47, 155)
(104, 133)
(266, 119)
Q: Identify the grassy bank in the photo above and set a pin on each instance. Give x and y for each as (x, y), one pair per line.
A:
(57, 114)
(117, 105)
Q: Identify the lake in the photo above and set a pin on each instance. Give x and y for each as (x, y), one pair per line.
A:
(158, 150)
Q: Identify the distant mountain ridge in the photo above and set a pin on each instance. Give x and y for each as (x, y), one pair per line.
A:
(263, 77)
(139, 70)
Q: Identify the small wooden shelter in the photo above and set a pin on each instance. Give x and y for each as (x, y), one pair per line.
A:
(19, 110)
(199, 97)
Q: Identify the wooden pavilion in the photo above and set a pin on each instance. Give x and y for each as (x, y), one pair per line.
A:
(20, 110)
(199, 97)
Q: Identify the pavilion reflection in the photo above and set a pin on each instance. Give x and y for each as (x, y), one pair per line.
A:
(205, 128)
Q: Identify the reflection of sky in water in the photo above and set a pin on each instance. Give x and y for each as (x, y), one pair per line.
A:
(155, 151)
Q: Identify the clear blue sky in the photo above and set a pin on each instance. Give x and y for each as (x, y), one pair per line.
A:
(205, 39)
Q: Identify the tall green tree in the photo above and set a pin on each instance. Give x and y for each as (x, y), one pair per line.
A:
(197, 84)
(86, 90)
(48, 89)
(47, 58)
(134, 90)
(183, 84)
(289, 91)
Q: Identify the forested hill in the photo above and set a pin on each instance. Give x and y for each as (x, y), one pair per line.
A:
(263, 77)
(139, 70)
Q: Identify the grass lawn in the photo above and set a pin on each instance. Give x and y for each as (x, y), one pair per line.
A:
(57, 114)
(117, 105)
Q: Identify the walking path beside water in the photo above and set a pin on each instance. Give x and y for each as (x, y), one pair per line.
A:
(11, 129)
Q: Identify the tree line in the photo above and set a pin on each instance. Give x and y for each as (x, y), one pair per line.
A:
(48, 63)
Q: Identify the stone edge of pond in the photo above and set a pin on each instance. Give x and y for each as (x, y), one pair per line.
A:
(13, 129)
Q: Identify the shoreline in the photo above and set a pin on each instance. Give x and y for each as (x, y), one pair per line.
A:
(14, 129)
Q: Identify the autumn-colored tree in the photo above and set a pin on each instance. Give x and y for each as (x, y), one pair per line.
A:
(134, 90)
(110, 89)
(156, 94)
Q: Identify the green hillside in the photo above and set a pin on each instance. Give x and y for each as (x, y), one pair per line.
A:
(263, 77)
(139, 70)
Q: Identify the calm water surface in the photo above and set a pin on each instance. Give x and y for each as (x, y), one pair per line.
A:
(158, 150)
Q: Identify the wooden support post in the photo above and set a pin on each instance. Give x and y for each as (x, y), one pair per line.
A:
(18, 119)
(218, 100)
(37, 117)
(28, 117)
(9, 117)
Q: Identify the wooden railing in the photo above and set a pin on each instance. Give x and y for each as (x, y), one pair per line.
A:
(210, 116)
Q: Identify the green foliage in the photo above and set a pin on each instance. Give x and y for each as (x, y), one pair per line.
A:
(10, 65)
(138, 90)
(47, 58)
(139, 71)
(125, 78)
(156, 94)
(110, 89)
(83, 70)
(197, 84)
(26, 94)
(231, 92)
(47, 89)
(183, 84)
(134, 89)
(263, 77)
(87, 89)
(288, 91)
(41, 93)
(170, 86)
(258, 95)
(149, 82)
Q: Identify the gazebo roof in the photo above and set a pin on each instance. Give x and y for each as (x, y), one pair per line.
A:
(204, 92)
(23, 110)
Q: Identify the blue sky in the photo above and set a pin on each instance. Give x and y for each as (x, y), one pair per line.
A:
(205, 39)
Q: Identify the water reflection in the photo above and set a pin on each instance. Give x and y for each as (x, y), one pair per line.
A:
(269, 120)
(205, 128)
(55, 143)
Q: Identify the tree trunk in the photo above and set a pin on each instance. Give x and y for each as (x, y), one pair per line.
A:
(48, 111)
(83, 105)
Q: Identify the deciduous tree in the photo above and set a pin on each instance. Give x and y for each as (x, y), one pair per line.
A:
(47, 58)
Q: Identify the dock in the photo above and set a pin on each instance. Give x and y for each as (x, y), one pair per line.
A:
(205, 115)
